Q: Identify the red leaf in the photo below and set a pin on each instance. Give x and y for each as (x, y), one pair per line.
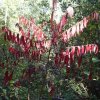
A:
(28, 34)
(64, 37)
(47, 44)
(32, 21)
(96, 16)
(78, 27)
(83, 76)
(17, 84)
(62, 56)
(78, 51)
(6, 74)
(31, 44)
(5, 29)
(90, 76)
(88, 48)
(21, 19)
(40, 36)
(22, 40)
(37, 45)
(69, 33)
(79, 61)
(2, 65)
(13, 38)
(8, 37)
(85, 22)
(96, 49)
(33, 54)
(52, 90)
(73, 31)
(81, 25)
(67, 70)
(83, 50)
(31, 70)
(66, 59)
(10, 76)
(17, 38)
(71, 58)
(57, 59)
(11, 49)
(22, 31)
(72, 53)
(7, 77)
(75, 72)
(62, 22)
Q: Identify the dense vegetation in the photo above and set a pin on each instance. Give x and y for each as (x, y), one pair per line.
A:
(49, 50)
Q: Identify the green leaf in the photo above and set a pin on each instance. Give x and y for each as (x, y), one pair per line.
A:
(95, 60)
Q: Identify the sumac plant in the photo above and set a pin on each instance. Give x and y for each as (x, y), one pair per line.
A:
(39, 57)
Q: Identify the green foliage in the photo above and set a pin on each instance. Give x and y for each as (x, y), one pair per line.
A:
(38, 87)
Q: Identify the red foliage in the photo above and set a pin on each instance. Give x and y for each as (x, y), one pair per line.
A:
(7, 77)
